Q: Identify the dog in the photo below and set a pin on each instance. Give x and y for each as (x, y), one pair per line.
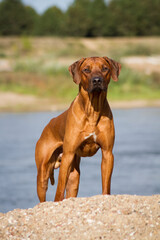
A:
(79, 131)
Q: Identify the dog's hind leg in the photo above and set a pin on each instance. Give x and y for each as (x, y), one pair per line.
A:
(42, 182)
(45, 156)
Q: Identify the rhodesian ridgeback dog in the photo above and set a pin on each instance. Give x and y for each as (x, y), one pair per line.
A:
(80, 131)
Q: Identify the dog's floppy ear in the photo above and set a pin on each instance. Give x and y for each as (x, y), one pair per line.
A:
(115, 68)
(74, 70)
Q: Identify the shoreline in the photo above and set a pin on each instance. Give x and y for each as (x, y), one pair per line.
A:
(14, 102)
(98, 217)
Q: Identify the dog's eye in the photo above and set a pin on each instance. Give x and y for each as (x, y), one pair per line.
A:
(105, 69)
(86, 70)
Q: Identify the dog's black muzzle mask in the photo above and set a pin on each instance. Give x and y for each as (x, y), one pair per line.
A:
(96, 84)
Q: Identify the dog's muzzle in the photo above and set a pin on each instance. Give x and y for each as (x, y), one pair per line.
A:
(97, 83)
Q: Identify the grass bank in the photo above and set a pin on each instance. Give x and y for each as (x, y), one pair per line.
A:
(39, 66)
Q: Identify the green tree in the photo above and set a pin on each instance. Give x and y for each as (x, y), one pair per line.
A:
(85, 18)
(77, 18)
(99, 18)
(122, 18)
(32, 20)
(148, 17)
(133, 18)
(51, 22)
(12, 17)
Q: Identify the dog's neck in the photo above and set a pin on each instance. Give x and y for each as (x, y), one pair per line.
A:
(93, 104)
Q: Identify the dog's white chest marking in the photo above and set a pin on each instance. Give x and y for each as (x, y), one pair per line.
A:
(90, 135)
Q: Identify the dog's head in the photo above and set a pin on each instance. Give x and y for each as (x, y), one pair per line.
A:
(94, 73)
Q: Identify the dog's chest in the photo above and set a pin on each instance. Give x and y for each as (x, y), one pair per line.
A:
(91, 135)
(88, 146)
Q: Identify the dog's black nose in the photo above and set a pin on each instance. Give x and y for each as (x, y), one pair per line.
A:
(97, 80)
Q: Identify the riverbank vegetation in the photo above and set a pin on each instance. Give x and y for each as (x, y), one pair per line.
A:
(39, 66)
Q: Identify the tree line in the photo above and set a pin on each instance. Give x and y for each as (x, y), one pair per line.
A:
(84, 18)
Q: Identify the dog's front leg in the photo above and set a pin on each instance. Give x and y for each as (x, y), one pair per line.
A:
(106, 170)
(73, 179)
(65, 168)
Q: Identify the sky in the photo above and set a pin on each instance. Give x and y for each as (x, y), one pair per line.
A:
(41, 5)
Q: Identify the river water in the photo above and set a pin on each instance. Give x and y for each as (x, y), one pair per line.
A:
(136, 151)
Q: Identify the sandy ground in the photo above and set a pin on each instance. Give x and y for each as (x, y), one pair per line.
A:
(99, 217)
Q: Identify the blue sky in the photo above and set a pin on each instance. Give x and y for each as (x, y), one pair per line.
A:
(42, 5)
